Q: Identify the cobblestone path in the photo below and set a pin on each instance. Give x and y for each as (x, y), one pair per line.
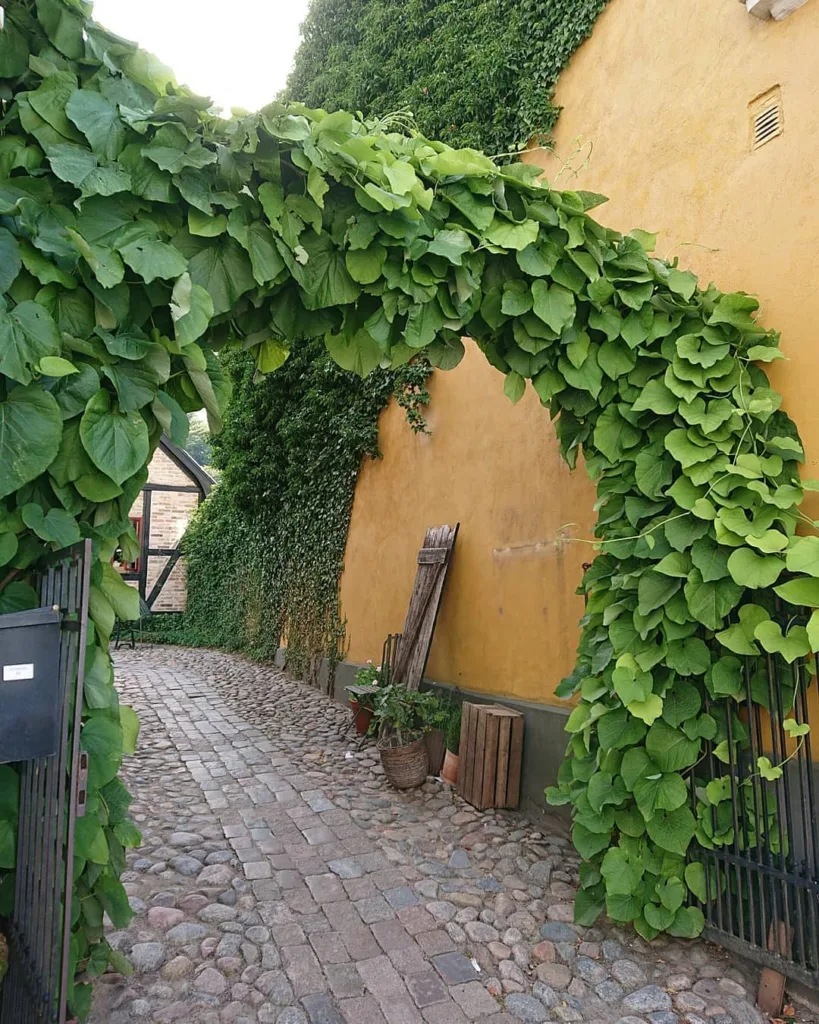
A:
(282, 881)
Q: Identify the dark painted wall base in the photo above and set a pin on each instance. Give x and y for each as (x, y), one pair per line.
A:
(544, 740)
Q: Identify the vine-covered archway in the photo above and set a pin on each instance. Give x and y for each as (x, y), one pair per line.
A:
(141, 234)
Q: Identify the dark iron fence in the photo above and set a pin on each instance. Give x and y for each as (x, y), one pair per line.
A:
(51, 797)
(762, 875)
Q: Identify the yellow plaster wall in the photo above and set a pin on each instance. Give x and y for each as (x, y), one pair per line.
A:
(658, 98)
(508, 623)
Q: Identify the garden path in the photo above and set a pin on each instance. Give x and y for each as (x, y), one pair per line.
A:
(282, 881)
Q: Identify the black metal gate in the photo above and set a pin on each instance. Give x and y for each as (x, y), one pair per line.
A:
(51, 795)
(762, 875)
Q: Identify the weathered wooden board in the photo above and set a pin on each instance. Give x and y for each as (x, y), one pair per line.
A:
(433, 563)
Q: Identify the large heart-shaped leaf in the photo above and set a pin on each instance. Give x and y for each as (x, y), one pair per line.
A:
(117, 442)
(30, 430)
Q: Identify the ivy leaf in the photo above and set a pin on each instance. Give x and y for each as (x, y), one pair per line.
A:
(324, 278)
(795, 729)
(754, 571)
(80, 167)
(604, 788)
(129, 722)
(688, 657)
(57, 526)
(28, 334)
(654, 590)
(152, 259)
(665, 791)
(365, 265)
(711, 559)
(803, 555)
(670, 749)
(671, 893)
(223, 270)
(795, 644)
(191, 310)
(672, 830)
(688, 923)
(619, 729)
(800, 592)
(116, 442)
(589, 844)
(658, 918)
(451, 244)
(514, 387)
(656, 397)
(622, 872)
(739, 638)
(554, 304)
(589, 904)
(768, 771)
(709, 603)
(356, 351)
(681, 703)
(10, 259)
(102, 738)
(31, 427)
(613, 434)
(509, 235)
(695, 879)
(99, 122)
(90, 843)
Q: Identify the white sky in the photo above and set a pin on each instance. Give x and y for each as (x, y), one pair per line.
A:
(238, 52)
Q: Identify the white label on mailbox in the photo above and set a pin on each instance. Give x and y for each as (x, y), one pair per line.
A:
(11, 672)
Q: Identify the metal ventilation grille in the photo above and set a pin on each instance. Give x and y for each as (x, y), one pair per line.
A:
(767, 119)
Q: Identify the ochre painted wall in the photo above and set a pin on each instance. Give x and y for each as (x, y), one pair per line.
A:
(508, 622)
(656, 117)
(658, 100)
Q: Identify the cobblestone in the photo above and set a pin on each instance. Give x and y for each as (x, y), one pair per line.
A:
(282, 881)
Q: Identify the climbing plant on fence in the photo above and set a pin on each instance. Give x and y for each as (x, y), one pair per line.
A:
(141, 234)
(473, 72)
(265, 552)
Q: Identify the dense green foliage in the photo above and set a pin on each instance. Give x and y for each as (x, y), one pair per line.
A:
(265, 551)
(292, 224)
(477, 73)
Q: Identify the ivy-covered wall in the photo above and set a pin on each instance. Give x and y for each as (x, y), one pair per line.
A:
(473, 72)
(265, 550)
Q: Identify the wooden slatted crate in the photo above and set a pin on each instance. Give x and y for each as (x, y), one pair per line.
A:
(490, 755)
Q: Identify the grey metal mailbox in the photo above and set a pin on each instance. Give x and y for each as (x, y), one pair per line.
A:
(30, 690)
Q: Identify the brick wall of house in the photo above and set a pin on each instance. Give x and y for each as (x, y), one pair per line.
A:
(170, 514)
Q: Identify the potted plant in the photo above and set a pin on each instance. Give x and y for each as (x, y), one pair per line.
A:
(449, 772)
(400, 721)
(363, 694)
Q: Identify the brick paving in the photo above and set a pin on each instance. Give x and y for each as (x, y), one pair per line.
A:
(282, 881)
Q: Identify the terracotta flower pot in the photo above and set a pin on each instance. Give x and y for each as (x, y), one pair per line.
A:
(449, 772)
(363, 717)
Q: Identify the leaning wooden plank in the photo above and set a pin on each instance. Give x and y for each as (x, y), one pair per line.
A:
(424, 605)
